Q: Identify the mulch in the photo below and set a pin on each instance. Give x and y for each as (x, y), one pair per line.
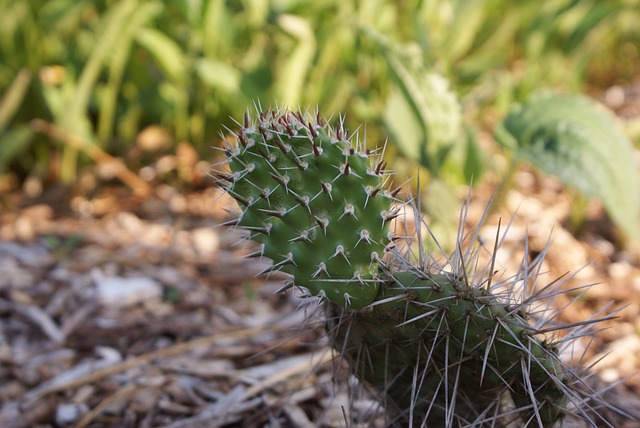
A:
(204, 342)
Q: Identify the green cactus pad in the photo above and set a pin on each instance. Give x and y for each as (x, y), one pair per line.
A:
(467, 348)
(314, 200)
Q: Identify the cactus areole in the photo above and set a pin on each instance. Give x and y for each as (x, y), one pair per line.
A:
(440, 349)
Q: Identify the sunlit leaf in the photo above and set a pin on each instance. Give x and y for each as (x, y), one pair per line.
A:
(168, 54)
(218, 75)
(294, 70)
(573, 138)
(422, 113)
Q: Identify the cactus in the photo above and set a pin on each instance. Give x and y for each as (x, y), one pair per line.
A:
(439, 348)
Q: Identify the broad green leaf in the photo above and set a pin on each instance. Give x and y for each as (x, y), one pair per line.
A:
(422, 114)
(405, 128)
(573, 138)
(422, 101)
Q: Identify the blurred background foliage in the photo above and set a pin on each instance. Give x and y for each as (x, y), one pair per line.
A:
(82, 81)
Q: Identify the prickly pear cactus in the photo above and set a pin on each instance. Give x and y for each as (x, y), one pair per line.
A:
(439, 348)
(314, 202)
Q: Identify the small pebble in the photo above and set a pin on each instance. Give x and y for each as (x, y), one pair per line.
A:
(205, 240)
(69, 413)
(121, 292)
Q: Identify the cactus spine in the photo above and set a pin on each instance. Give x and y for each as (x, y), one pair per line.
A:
(440, 349)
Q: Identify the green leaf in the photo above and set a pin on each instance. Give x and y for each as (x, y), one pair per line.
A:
(169, 55)
(76, 119)
(441, 203)
(218, 75)
(422, 114)
(11, 100)
(118, 60)
(573, 138)
(405, 128)
(13, 142)
(293, 72)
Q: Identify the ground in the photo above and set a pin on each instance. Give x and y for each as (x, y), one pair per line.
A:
(196, 339)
